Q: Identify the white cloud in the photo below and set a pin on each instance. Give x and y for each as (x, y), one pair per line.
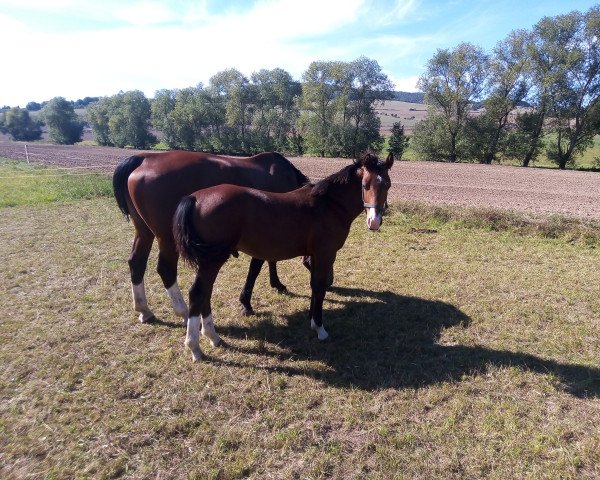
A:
(405, 84)
(287, 19)
(146, 56)
(402, 10)
(146, 13)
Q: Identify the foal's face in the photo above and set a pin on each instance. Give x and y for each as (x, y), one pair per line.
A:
(375, 185)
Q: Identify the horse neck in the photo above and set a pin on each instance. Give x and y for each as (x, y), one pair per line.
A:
(346, 199)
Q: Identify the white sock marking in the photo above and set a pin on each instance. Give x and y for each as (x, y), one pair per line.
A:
(321, 332)
(208, 330)
(140, 304)
(192, 337)
(177, 301)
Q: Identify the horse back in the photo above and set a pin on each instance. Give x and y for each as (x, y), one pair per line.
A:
(163, 178)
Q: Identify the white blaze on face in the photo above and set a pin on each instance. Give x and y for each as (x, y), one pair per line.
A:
(373, 219)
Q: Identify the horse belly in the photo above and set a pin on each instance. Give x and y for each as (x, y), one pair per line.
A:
(273, 243)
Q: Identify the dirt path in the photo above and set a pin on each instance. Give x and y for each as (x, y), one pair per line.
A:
(530, 190)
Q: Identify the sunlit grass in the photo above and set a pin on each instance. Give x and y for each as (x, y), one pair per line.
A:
(25, 184)
(459, 349)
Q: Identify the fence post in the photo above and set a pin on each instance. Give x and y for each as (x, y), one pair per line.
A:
(26, 153)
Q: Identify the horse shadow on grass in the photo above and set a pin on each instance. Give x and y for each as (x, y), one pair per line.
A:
(386, 340)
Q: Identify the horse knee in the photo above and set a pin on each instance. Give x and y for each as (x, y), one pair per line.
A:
(137, 268)
(167, 269)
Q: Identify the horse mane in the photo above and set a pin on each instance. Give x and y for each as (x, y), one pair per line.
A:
(367, 159)
(300, 177)
(341, 178)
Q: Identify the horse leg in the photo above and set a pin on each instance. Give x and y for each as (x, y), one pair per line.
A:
(200, 310)
(192, 336)
(138, 260)
(255, 266)
(306, 261)
(274, 278)
(167, 269)
(321, 268)
(208, 325)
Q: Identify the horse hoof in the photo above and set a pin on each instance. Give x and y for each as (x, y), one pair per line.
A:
(247, 311)
(184, 322)
(145, 319)
(213, 337)
(196, 357)
(196, 352)
(280, 287)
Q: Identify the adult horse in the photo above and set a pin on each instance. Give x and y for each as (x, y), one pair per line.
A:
(214, 223)
(148, 187)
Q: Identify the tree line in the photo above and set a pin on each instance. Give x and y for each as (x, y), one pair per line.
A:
(554, 68)
(551, 71)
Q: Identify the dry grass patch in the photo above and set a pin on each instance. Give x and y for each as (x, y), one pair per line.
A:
(456, 353)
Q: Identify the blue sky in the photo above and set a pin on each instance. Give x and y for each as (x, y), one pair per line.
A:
(78, 48)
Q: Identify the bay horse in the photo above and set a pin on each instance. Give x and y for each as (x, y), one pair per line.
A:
(314, 220)
(148, 187)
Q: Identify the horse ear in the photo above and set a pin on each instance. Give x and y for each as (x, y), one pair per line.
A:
(389, 161)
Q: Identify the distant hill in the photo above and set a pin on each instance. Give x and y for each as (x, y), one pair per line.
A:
(409, 97)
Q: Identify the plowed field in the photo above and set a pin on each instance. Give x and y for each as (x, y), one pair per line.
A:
(529, 190)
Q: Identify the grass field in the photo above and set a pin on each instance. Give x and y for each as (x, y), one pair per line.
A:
(462, 347)
(25, 184)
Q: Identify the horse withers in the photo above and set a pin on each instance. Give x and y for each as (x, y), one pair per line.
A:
(148, 187)
(314, 220)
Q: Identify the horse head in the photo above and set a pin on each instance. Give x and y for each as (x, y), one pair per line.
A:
(375, 185)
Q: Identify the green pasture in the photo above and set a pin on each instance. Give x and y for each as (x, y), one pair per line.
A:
(26, 184)
(464, 344)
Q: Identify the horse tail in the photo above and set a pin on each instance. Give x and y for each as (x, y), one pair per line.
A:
(120, 177)
(189, 244)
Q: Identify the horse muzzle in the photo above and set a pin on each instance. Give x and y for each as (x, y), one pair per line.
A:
(374, 218)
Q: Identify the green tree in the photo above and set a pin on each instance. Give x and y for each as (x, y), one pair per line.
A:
(17, 123)
(320, 87)
(33, 106)
(161, 106)
(232, 90)
(98, 114)
(570, 44)
(524, 140)
(64, 126)
(338, 98)
(121, 120)
(509, 86)
(275, 110)
(368, 86)
(453, 81)
(431, 138)
(398, 141)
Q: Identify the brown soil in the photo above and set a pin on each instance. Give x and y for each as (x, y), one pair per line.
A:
(528, 190)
